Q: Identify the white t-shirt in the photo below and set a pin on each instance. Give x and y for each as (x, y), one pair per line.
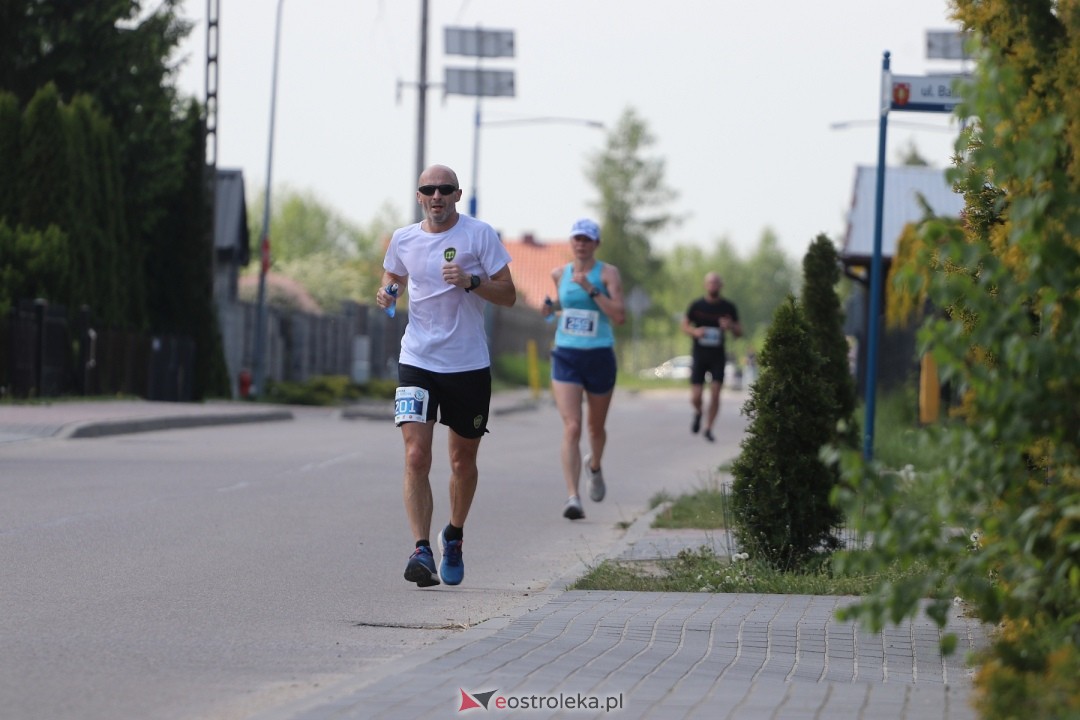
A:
(446, 324)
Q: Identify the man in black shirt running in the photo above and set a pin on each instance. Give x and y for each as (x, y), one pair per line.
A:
(707, 321)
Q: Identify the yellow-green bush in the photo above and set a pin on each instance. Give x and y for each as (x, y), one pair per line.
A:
(1009, 490)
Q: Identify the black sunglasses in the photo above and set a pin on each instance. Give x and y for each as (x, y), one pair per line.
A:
(429, 190)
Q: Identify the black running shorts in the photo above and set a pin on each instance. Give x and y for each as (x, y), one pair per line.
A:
(460, 400)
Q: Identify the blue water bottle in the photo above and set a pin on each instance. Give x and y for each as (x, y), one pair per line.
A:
(551, 306)
(392, 291)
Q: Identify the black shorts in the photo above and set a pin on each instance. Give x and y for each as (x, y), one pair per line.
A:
(713, 364)
(462, 399)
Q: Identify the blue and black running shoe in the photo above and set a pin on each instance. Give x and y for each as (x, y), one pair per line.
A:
(452, 569)
(421, 567)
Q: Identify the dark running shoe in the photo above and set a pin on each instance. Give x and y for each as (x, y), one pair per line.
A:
(421, 567)
(696, 425)
(709, 436)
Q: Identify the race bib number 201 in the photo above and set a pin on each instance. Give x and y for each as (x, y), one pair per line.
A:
(410, 405)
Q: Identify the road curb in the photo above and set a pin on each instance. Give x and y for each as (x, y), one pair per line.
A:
(637, 530)
(126, 426)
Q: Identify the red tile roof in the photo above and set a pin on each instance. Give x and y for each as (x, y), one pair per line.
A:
(531, 265)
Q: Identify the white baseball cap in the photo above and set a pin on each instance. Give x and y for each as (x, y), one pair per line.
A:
(587, 228)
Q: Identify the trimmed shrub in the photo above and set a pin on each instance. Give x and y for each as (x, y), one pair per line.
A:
(781, 488)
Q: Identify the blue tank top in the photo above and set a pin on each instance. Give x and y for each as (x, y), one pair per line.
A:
(582, 324)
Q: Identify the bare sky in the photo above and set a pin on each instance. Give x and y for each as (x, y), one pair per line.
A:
(740, 97)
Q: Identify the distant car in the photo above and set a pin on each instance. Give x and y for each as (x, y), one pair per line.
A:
(677, 368)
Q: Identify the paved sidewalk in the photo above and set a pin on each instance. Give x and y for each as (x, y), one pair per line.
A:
(592, 654)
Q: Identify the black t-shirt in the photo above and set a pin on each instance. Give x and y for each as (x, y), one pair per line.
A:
(703, 313)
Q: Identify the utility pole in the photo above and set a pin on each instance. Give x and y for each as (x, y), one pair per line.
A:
(421, 105)
(259, 351)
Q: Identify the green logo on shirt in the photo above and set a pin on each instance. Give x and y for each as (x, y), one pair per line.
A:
(449, 253)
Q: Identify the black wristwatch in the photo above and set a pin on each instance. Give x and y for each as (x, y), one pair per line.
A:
(474, 282)
(594, 292)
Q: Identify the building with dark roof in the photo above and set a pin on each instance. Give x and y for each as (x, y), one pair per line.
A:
(912, 193)
(232, 251)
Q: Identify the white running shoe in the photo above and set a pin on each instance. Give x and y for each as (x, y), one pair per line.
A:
(597, 489)
(573, 510)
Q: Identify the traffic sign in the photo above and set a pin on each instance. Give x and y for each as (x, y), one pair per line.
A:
(477, 42)
(946, 45)
(479, 82)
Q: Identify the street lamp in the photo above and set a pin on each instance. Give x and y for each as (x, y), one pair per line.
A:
(846, 124)
(514, 121)
(264, 243)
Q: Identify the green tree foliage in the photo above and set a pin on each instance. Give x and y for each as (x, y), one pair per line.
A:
(1010, 340)
(303, 225)
(65, 176)
(45, 177)
(49, 188)
(782, 486)
(766, 279)
(118, 54)
(333, 258)
(684, 269)
(101, 211)
(111, 157)
(33, 264)
(757, 284)
(176, 303)
(184, 305)
(10, 132)
(821, 306)
(93, 252)
(632, 205)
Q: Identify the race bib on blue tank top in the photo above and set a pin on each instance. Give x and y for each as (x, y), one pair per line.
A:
(580, 323)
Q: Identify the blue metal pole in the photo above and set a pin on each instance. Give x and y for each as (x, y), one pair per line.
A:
(264, 246)
(873, 319)
(475, 160)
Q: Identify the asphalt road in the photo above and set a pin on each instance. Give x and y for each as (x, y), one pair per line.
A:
(220, 572)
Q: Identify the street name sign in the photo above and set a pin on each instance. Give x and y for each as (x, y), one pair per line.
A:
(924, 93)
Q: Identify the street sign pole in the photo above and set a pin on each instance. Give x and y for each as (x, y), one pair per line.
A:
(910, 93)
(479, 43)
(258, 353)
(474, 189)
(875, 266)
